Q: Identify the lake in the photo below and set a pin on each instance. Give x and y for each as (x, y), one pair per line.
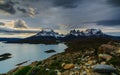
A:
(25, 52)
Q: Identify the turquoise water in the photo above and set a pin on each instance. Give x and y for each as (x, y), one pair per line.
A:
(25, 52)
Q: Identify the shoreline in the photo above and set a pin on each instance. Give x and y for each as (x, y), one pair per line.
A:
(75, 59)
(35, 54)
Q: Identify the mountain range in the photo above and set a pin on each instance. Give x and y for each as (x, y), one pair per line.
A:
(49, 36)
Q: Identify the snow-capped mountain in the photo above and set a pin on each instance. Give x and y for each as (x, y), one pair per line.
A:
(87, 32)
(49, 33)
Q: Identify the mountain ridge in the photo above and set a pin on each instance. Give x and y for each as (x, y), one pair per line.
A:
(49, 36)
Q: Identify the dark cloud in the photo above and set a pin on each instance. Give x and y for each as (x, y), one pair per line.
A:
(114, 2)
(108, 22)
(2, 24)
(8, 7)
(66, 3)
(23, 10)
(70, 13)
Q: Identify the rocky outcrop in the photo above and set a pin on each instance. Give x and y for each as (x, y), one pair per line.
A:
(108, 49)
(50, 51)
(68, 66)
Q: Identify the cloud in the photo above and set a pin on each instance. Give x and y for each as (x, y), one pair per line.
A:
(8, 6)
(4, 29)
(31, 12)
(23, 10)
(114, 2)
(108, 22)
(20, 24)
(70, 13)
(16, 26)
(66, 3)
(15, 7)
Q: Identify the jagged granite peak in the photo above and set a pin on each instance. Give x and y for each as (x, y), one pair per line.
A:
(87, 32)
(93, 32)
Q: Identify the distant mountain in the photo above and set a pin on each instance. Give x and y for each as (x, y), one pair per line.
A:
(88, 32)
(49, 36)
(49, 33)
(44, 36)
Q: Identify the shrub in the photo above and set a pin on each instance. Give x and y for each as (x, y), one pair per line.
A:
(23, 71)
(115, 61)
(40, 62)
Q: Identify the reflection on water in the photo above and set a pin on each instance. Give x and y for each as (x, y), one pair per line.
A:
(25, 52)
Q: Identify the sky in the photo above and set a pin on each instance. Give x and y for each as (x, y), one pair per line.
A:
(63, 14)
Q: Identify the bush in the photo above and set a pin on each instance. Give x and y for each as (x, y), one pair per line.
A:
(39, 63)
(115, 61)
(52, 72)
(34, 71)
(42, 71)
(23, 71)
(55, 65)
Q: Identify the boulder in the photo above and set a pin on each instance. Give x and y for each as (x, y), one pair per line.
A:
(104, 69)
(68, 66)
(105, 56)
(106, 48)
(50, 51)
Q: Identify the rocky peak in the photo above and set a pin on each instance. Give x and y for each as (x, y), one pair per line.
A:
(48, 33)
(93, 32)
(87, 32)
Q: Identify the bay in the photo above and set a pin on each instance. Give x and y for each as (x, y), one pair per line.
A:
(25, 52)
